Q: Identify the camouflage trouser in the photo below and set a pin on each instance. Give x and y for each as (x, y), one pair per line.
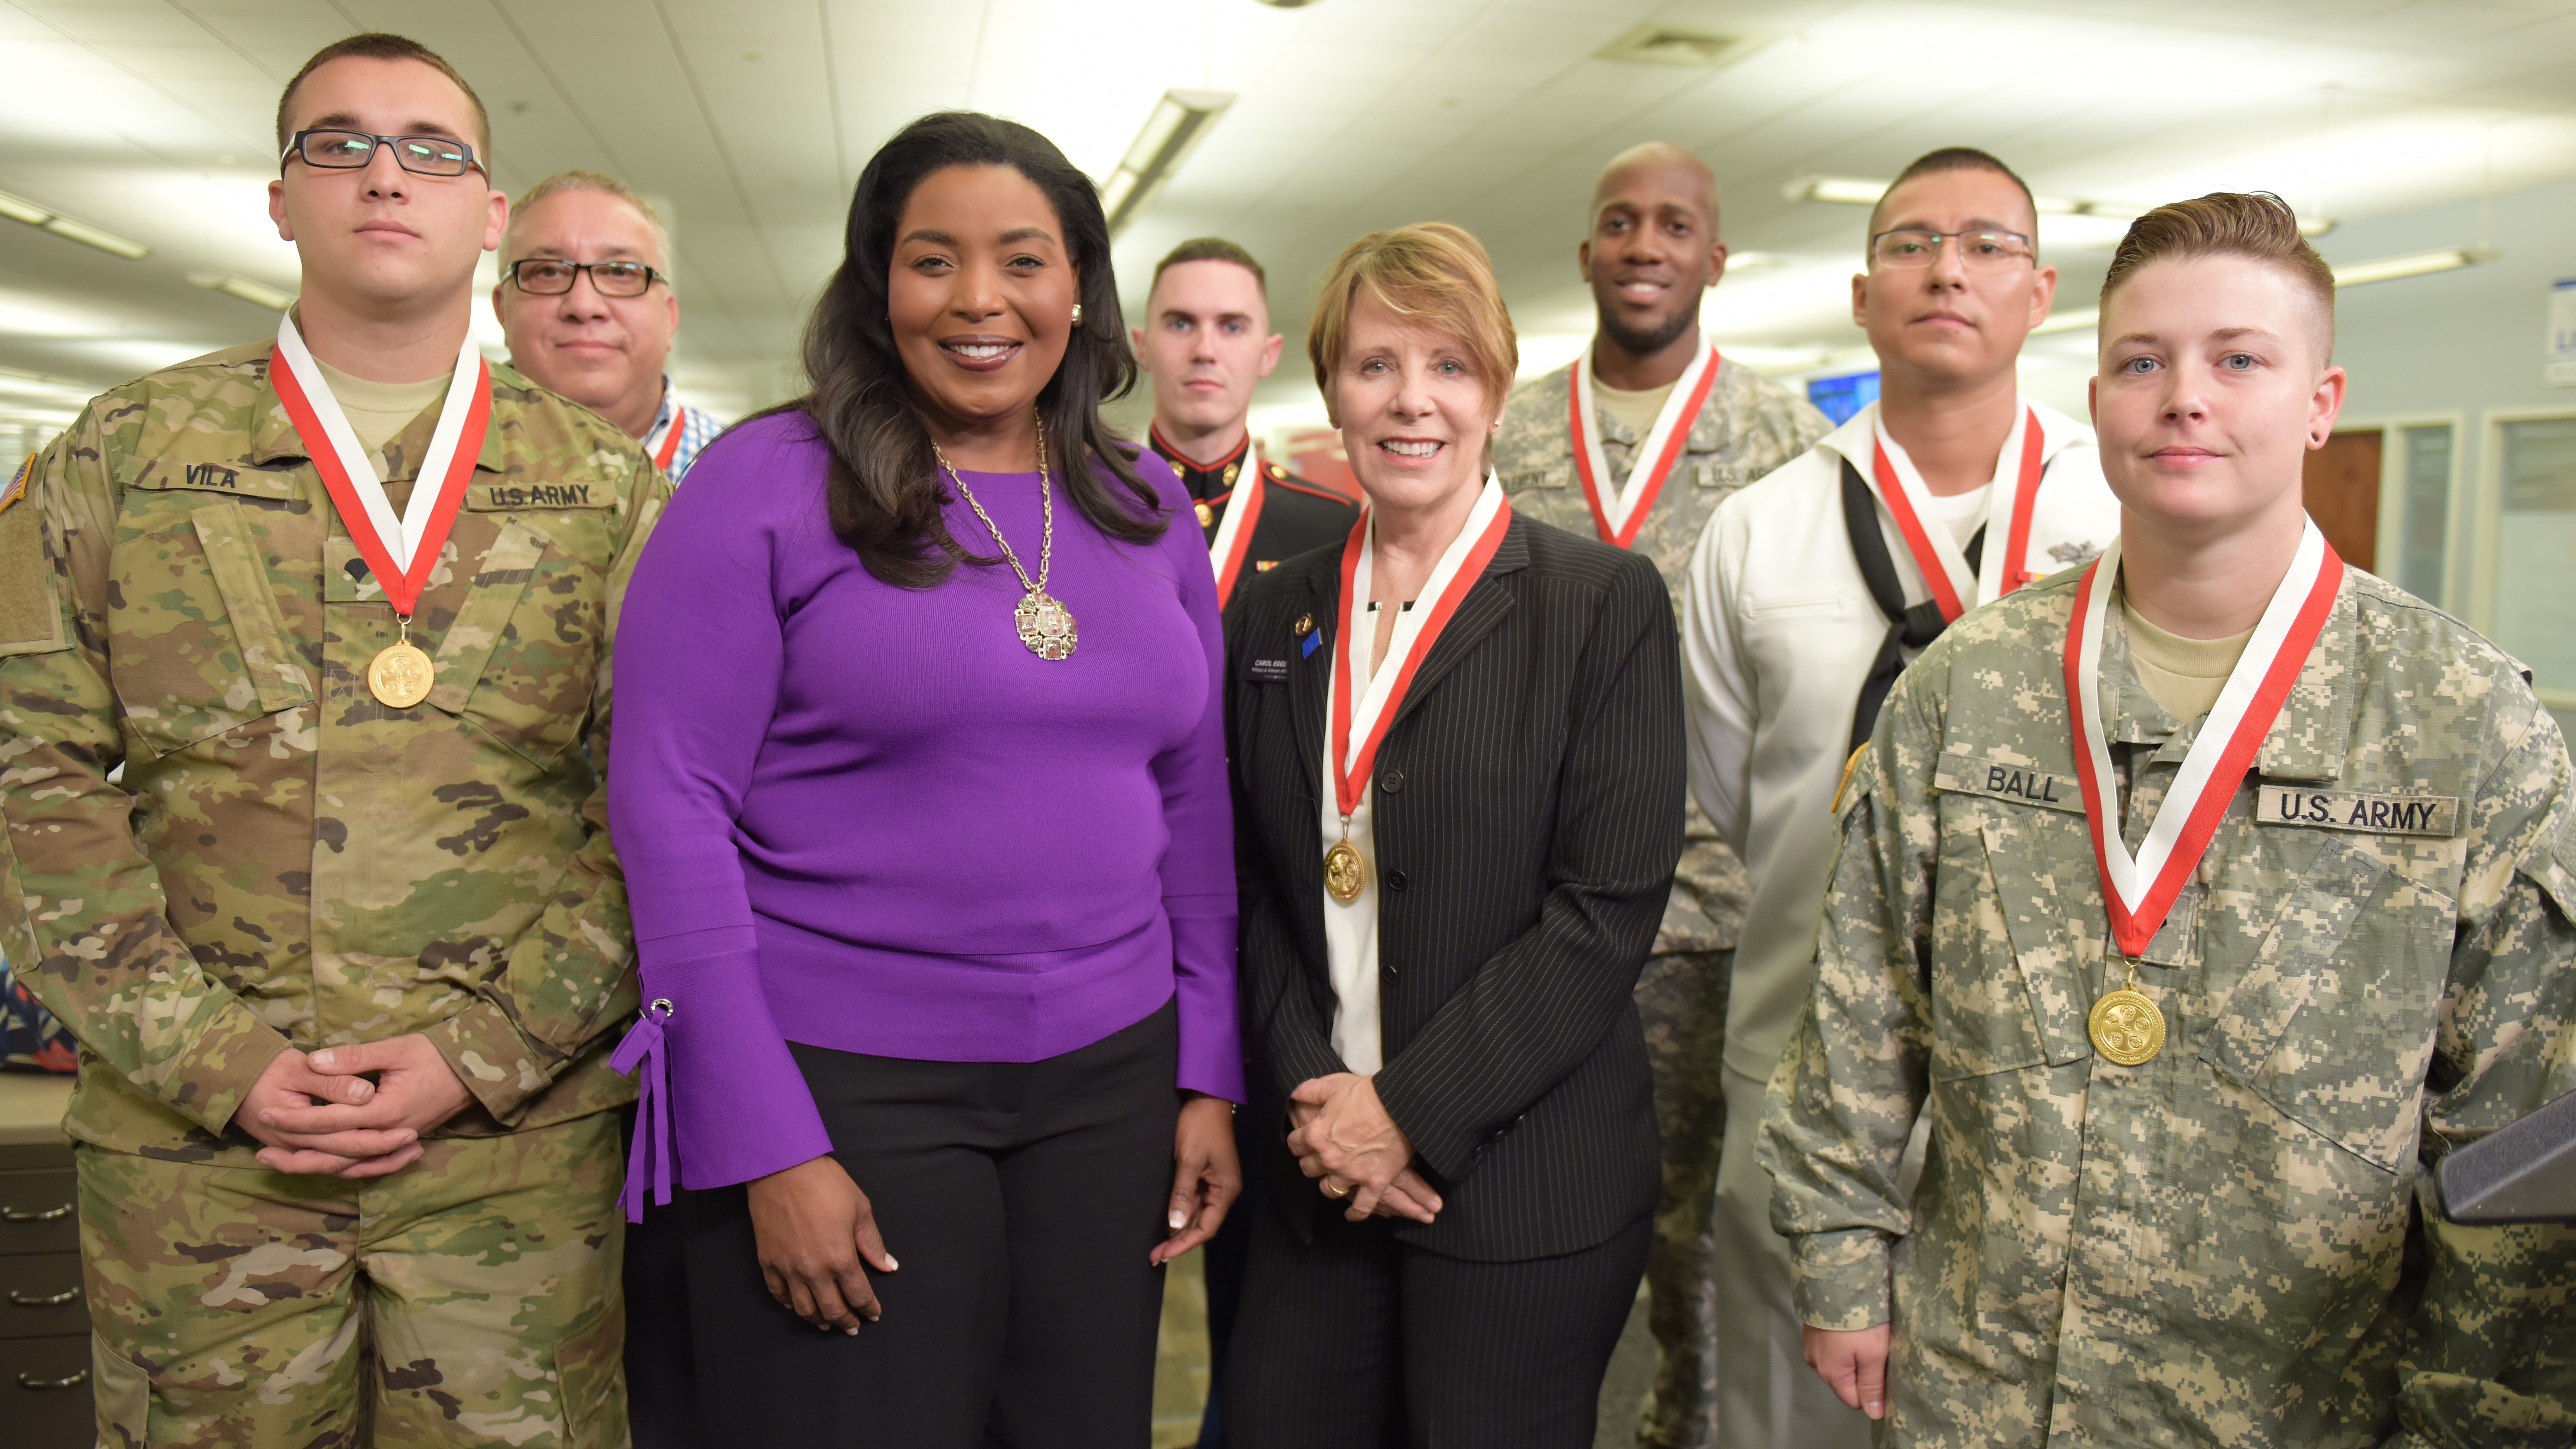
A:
(470, 1298)
(1682, 1000)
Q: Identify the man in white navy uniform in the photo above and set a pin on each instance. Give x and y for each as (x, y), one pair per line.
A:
(1808, 592)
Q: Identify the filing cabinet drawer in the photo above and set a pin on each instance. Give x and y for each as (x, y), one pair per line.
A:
(40, 1295)
(44, 1393)
(36, 1212)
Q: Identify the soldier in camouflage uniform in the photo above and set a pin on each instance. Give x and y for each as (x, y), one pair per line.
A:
(2235, 1240)
(1653, 251)
(278, 1251)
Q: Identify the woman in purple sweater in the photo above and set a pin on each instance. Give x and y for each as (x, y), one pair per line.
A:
(921, 796)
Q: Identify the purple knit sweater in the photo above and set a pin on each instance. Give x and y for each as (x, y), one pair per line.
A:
(867, 818)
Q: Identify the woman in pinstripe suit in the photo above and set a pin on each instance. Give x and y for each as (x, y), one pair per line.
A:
(1457, 749)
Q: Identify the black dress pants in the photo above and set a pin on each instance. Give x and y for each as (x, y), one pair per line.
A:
(1019, 1201)
(1361, 1342)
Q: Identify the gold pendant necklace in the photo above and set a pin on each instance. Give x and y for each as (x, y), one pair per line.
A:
(401, 676)
(1045, 625)
(2126, 1025)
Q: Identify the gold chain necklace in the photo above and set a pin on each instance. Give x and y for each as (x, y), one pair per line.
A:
(1045, 624)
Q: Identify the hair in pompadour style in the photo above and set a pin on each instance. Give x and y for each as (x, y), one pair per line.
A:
(376, 45)
(1432, 272)
(1213, 249)
(884, 493)
(2253, 224)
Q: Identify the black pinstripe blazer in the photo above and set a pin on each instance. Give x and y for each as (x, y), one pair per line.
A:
(1528, 817)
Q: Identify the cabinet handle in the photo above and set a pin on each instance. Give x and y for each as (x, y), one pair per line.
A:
(67, 1381)
(20, 1300)
(13, 1215)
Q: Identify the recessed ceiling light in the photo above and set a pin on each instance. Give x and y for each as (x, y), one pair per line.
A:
(1846, 190)
(1656, 44)
(45, 218)
(2412, 264)
(259, 294)
(1179, 122)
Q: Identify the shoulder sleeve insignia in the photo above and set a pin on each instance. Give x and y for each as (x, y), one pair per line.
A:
(17, 488)
(1850, 767)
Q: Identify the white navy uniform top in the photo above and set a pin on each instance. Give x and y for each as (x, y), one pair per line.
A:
(1778, 635)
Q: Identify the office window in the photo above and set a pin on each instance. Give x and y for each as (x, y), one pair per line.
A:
(2535, 586)
(2423, 463)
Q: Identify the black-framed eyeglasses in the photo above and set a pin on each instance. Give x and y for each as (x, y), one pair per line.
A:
(1921, 247)
(553, 276)
(336, 150)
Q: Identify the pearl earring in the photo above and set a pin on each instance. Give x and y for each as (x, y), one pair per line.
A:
(1077, 314)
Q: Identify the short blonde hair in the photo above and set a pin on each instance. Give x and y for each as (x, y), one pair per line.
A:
(2252, 224)
(563, 181)
(1430, 271)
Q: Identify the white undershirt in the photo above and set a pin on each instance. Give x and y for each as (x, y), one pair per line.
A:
(1962, 513)
(1350, 931)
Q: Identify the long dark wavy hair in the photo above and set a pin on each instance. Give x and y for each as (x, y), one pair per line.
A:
(885, 491)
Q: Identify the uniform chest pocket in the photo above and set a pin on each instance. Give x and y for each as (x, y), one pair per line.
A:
(2332, 1019)
(521, 655)
(197, 640)
(2010, 981)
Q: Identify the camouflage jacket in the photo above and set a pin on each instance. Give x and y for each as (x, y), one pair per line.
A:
(1748, 426)
(2237, 1242)
(282, 859)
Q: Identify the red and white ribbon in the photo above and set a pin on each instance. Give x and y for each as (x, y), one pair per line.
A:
(401, 552)
(2142, 890)
(1365, 701)
(1618, 512)
(1234, 531)
(664, 444)
(1937, 555)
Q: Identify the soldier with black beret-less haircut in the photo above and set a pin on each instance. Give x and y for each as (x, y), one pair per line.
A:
(304, 663)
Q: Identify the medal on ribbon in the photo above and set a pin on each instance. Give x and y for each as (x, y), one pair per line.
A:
(402, 553)
(1619, 511)
(2126, 1025)
(1936, 555)
(1365, 702)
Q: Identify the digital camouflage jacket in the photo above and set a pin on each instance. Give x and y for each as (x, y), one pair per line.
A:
(1748, 426)
(281, 858)
(2237, 1242)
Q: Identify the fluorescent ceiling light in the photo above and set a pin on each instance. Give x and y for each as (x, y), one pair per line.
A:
(1861, 191)
(1848, 190)
(1179, 122)
(2412, 264)
(46, 219)
(258, 294)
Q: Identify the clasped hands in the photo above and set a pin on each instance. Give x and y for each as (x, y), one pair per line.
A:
(1345, 1140)
(320, 1114)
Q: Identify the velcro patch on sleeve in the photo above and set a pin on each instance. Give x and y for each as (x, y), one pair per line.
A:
(2434, 815)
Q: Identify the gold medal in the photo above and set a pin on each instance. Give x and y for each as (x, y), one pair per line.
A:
(1206, 514)
(1046, 625)
(1344, 871)
(2126, 1025)
(401, 675)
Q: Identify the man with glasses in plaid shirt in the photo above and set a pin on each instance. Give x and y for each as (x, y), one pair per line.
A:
(586, 300)
(345, 943)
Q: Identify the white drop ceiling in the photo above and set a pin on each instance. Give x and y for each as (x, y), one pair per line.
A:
(750, 118)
